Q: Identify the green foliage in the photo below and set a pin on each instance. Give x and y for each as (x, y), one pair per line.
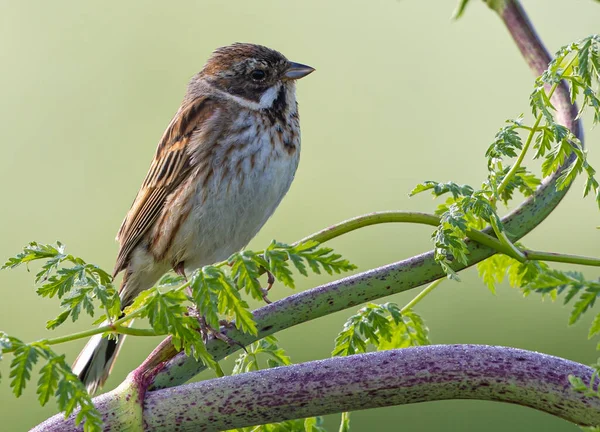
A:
(466, 209)
(311, 424)
(506, 142)
(538, 277)
(460, 9)
(408, 332)
(382, 327)
(245, 269)
(215, 293)
(56, 380)
(5, 344)
(170, 280)
(267, 347)
(523, 181)
(309, 253)
(520, 275)
(168, 314)
(470, 208)
(438, 189)
(79, 286)
(497, 5)
(173, 307)
(578, 64)
(25, 357)
(184, 309)
(591, 388)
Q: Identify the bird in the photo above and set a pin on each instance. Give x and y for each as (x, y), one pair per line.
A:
(221, 168)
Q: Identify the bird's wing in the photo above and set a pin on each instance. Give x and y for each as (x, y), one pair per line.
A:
(172, 164)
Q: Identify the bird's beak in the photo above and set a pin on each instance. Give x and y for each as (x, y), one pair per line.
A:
(297, 71)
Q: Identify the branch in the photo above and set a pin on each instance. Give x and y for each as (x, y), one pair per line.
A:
(386, 378)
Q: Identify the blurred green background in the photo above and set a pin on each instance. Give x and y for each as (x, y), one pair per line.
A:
(401, 94)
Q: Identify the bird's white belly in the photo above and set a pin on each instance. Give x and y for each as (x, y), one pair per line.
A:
(230, 213)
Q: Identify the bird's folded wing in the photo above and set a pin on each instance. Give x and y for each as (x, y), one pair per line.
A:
(172, 164)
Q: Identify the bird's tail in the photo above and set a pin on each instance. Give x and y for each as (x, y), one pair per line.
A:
(95, 361)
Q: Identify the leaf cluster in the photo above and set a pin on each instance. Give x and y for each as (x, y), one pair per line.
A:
(468, 207)
(80, 286)
(215, 292)
(382, 327)
(589, 389)
(538, 277)
(55, 380)
(186, 310)
(267, 347)
(579, 65)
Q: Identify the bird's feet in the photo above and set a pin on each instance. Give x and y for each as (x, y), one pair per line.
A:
(208, 331)
(179, 269)
(270, 282)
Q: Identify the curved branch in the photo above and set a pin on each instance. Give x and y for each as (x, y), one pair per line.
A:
(166, 368)
(380, 379)
(395, 377)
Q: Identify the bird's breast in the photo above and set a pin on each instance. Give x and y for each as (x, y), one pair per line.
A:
(250, 170)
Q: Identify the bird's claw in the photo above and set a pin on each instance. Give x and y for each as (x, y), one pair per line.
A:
(208, 331)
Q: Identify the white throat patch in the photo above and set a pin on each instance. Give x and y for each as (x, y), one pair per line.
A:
(266, 100)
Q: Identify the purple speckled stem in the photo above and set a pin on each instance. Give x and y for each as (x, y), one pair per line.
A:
(400, 276)
(395, 377)
(385, 378)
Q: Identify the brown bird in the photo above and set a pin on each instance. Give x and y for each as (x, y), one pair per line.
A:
(221, 168)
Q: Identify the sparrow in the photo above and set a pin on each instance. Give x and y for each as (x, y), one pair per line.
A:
(220, 170)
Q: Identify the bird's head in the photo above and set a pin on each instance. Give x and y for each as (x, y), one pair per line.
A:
(251, 72)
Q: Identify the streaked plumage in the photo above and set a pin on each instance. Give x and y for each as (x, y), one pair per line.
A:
(221, 168)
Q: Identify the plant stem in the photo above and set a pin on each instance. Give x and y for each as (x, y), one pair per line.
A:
(501, 234)
(345, 422)
(336, 231)
(218, 370)
(373, 380)
(513, 170)
(563, 258)
(411, 304)
(115, 327)
(397, 216)
(137, 331)
(532, 132)
(375, 218)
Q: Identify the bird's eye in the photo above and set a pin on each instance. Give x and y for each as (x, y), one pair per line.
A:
(258, 75)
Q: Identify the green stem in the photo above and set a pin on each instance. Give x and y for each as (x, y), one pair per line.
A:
(501, 234)
(371, 219)
(393, 216)
(345, 422)
(433, 285)
(513, 170)
(137, 331)
(116, 327)
(396, 216)
(218, 370)
(341, 229)
(563, 258)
